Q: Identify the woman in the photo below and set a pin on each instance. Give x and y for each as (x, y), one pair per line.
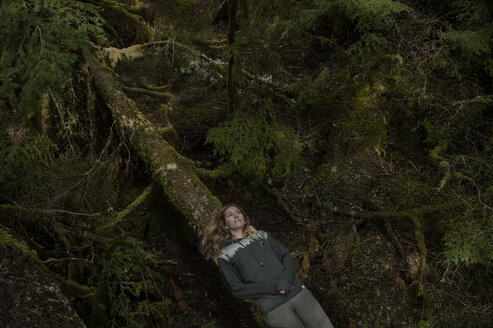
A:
(257, 266)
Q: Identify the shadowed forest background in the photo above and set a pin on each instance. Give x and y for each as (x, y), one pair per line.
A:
(358, 133)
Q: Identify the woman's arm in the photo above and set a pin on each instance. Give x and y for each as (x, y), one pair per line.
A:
(286, 279)
(246, 290)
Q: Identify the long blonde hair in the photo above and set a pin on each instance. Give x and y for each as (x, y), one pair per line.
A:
(215, 231)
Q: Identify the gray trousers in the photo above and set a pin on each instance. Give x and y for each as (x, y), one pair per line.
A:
(302, 311)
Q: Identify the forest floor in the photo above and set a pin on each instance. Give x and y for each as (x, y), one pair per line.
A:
(353, 270)
(364, 272)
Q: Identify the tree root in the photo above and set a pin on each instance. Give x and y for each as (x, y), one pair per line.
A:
(420, 240)
(413, 216)
(397, 243)
(168, 132)
(443, 164)
(396, 215)
(282, 204)
(210, 174)
(434, 155)
(159, 88)
(163, 95)
(18, 210)
(120, 216)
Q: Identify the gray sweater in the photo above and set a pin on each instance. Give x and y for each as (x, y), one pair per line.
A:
(259, 268)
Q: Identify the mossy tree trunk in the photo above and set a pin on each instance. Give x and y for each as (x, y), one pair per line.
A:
(175, 173)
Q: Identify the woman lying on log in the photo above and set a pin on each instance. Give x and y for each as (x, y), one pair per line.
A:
(257, 266)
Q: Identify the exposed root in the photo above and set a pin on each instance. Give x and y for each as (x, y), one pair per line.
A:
(159, 88)
(18, 210)
(169, 133)
(420, 240)
(396, 241)
(120, 216)
(179, 297)
(282, 204)
(396, 215)
(163, 95)
(413, 216)
(210, 174)
(443, 164)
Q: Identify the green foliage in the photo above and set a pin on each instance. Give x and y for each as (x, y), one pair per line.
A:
(369, 18)
(470, 243)
(122, 267)
(373, 15)
(188, 15)
(319, 99)
(39, 42)
(34, 161)
(468, 30)
(473, 49)
(18, 157)
(468, 13)
(121, 262)
(254, 147)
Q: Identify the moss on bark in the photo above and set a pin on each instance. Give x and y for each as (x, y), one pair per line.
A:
(175, 173)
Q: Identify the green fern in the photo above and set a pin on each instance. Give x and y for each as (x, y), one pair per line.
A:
(471, 44)
(373, 15)
(470, 243)
(253, 147)
(39, 43)
(121, 264)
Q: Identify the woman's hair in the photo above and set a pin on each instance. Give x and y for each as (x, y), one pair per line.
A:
(215, 231)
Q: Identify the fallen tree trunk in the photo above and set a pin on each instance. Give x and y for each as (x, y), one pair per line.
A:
(175, 173)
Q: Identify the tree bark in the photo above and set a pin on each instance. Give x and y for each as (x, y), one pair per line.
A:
(175, 173)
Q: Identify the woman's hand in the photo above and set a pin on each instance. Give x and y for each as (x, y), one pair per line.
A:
(282, 292)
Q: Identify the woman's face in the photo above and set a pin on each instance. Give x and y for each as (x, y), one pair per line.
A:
(234, 218)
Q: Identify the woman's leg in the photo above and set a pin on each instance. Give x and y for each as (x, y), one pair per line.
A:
(310, 312)
(283, 316)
